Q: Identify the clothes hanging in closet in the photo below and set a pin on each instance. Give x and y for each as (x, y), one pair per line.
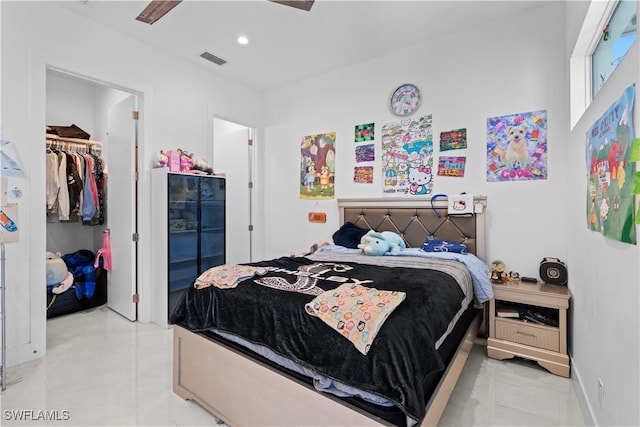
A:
(76, 186)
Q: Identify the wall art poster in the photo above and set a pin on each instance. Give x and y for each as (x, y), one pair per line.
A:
(610, 188)
(365, 153)
(451, 166)
(363, 174)
(9, 227)
(9, 162)
(364, 132)
(517, 147)
(317, 166)
(407, 157)
(453, 140)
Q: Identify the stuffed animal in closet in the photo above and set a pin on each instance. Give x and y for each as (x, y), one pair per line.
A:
(375, 243)
(58, 275)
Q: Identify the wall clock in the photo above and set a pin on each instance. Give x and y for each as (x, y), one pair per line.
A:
(405, 100)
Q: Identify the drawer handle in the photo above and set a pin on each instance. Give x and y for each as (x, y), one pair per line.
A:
(526, 335)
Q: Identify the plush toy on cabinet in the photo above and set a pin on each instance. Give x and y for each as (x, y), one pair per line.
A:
(161, 160)
(200, 165)
(185, 161)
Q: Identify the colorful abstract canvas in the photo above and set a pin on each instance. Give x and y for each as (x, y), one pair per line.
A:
(365, 132)
(453, 140)
(363, 174)
(452, 166)
(365, 153)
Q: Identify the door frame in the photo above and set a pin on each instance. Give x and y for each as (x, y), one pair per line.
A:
(141, 189)
(252, 151)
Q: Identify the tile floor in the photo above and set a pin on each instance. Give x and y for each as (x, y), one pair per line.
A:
(103, 370)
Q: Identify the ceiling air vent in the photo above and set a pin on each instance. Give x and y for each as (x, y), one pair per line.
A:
(210, 57)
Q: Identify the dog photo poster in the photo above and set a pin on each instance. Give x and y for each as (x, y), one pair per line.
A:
(517, 147)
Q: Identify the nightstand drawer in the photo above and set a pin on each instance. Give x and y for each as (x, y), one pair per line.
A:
(528, 334)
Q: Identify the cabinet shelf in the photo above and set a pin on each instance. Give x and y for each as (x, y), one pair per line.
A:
(179, 203)
(527, 313)
(182, 260)
(213, 255)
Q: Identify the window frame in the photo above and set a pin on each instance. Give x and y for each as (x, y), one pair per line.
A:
(580, 64)
(596, 75)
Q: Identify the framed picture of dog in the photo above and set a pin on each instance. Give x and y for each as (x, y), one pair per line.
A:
(517, 147)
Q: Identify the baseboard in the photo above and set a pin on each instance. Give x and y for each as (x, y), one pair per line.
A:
(585, 405)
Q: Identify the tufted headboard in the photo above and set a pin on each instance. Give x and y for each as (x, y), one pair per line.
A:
(415, 220)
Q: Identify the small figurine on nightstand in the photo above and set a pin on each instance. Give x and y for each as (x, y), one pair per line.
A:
(514, 276)
(498, 272)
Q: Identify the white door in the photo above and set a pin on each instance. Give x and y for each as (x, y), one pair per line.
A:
(232, 156)
(121, 207)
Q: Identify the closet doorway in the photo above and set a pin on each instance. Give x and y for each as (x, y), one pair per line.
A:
(233, 155)
(106, 113)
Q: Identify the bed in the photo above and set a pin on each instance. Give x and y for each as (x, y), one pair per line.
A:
(227, 358)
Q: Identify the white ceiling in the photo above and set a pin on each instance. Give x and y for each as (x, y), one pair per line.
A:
(287, 44)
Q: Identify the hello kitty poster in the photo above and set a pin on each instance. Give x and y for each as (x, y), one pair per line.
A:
(407, 157)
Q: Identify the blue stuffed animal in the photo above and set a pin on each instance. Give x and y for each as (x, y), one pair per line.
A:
(375, 243)
(56, 268)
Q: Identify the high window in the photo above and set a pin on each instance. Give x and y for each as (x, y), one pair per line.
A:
(617, 37)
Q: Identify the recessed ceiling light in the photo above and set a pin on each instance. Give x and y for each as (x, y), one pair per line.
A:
(243, 40)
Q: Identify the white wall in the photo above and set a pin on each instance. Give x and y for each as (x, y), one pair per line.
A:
(604, 273)
(178, 102)
(466, 76)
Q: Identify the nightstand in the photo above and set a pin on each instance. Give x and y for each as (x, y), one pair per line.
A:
(525, 335)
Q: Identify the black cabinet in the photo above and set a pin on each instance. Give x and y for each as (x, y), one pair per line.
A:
(194, 215)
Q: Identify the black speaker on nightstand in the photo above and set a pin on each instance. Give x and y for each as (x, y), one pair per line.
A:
(553, 271)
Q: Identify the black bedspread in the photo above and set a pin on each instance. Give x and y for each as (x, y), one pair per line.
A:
(401, 358)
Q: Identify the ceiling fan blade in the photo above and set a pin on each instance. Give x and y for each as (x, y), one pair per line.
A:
(156, 10)
(298, 4)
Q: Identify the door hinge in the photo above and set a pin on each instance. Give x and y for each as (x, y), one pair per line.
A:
(135, 237)
(135, 298)
(135, 115)
(250, 184)
(250, 142)
(250, 227)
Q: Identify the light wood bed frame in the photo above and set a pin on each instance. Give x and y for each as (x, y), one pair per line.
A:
(244, 392)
